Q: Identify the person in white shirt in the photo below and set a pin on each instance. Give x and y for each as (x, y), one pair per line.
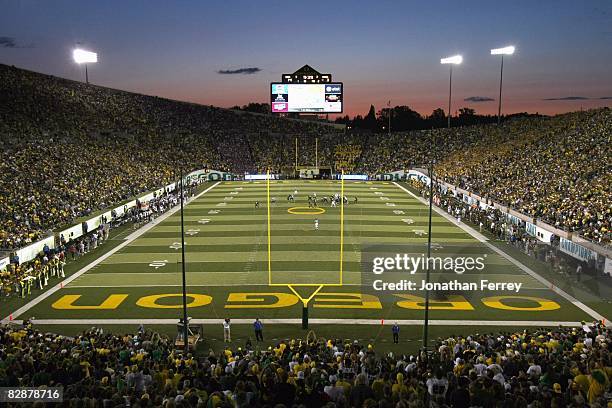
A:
(333, 390)
(534, 370)
(480, 367)
(437, 385)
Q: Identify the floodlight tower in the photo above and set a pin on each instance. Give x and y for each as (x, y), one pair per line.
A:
(81, 56)
(501, 51)
(454, 60)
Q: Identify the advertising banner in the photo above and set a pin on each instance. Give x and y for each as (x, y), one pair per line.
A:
(576, 250)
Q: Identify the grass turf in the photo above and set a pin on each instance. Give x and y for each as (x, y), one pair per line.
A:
(227, 260)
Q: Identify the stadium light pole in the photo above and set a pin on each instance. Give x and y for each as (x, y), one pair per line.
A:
(454, 60)
(427, 273)
(501, 51)
(185, 322)
(389, 112)
(81, 56)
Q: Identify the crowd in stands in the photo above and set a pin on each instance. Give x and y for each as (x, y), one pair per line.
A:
(47, 268)
(563, 367)
(556, 169)
(69, 149)
(346, 157)
(495, 222)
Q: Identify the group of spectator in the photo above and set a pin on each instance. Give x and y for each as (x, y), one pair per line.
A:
(492, 220)
(21, 278)
(69, 149)
(563, 367)
(346, 157)
(556, 169)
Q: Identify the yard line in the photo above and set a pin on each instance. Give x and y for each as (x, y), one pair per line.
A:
(410, 322)
(524, 268)
(74, 276)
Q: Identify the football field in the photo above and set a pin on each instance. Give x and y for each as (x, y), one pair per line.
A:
(245, 260)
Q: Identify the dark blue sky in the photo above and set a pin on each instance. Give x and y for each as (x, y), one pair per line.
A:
(381, 50)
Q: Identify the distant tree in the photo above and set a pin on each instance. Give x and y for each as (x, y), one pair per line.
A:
(467, 116)
(370, 122)
(343, 119)
(257, 107)
(436, 119)
(467, 112)
(404, 118)
(358, 122)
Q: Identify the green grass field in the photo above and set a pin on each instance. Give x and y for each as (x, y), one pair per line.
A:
(228, 274)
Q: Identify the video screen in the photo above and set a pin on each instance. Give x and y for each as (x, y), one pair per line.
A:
(306, 98)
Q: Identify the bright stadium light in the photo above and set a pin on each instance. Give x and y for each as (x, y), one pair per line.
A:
(454, 60)
(81, 56)
(501, 51)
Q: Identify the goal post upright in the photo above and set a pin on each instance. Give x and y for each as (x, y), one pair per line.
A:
(341, 223)
(269, 240)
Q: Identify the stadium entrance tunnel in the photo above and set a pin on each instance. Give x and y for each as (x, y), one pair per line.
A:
(306, 210)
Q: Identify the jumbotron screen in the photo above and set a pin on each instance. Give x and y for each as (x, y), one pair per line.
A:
(306, 98)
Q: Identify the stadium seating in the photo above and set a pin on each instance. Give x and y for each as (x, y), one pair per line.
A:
(546, 368)
(69, 149)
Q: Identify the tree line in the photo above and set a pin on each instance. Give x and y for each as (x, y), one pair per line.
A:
(403, 118)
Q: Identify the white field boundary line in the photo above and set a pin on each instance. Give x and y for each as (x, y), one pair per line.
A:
(412, 322)
(97, 261)
(529, 271)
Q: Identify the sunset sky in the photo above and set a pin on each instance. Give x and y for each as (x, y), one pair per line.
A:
(381, 50)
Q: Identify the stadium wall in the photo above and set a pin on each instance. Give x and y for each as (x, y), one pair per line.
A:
(30, 252)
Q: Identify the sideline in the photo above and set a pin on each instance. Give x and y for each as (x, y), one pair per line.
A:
(595, 315)
(129, 239)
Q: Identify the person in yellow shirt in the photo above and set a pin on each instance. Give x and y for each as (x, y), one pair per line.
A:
(598, 383)
(344, 384)
(399, 389)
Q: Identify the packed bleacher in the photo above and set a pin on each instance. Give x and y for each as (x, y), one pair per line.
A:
(69, 149)
(22, 279)
(495, 222)
(555, 169)
(563, 367)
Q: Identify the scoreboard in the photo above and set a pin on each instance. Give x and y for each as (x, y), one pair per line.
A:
(306, 98)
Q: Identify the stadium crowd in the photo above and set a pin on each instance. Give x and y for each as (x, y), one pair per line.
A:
(563, 367)
(23, 278)
(69, 149)
(496, 222)
(556, 169)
